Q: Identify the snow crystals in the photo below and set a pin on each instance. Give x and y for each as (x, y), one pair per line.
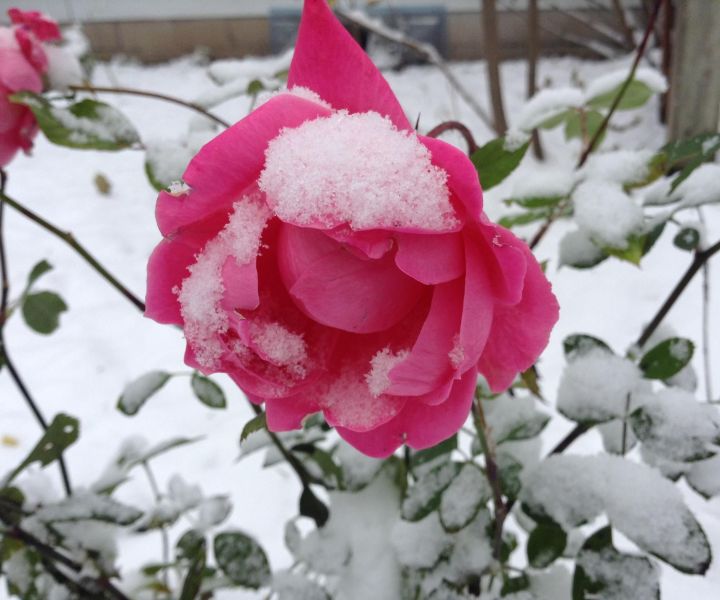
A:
(378, 378)
(356, 169)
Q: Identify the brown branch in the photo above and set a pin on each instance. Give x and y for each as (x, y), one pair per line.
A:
(438, 130)
(492, 474)
(533, 33)
(146, 94)
(492, 58)
(4, 352)
(70, 240)
(622, 22)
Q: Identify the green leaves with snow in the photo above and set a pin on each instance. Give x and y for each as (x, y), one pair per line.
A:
(666, 359)
(688, 155)
(87, 124)
(579, 344)
(424, 497)
(463, 498)
(207, 391)
(635, 96)
(546, 543)
(603, 572)
(61, 433)
(495, 161)
(241, 559)
(140, 390)
(257, 423)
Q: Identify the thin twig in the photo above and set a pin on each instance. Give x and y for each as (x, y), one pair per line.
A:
(428, 51)
(623, 446)
(707, 371)
(70, 240)
(4, 352)
(533, 52)
(163, 529)
(146, 94)
(492, 60)
(622, 22)
(438, 130)
(492, 474)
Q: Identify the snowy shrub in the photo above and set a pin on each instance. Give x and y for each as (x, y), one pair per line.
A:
(336, 266)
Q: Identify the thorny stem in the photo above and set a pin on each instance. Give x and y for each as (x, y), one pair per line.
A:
(492, 474)
(4, 353)
(438, 130)
(135, 92)
(590, 147)
(70, 240)
(48, 553)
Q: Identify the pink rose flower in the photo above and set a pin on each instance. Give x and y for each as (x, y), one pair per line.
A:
(329, 259)
(22, 63)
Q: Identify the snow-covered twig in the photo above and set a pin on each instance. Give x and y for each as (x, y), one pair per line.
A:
(426, 50)
(4, 354)
(133, 92)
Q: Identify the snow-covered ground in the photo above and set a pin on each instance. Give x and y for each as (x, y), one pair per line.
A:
(103, 342)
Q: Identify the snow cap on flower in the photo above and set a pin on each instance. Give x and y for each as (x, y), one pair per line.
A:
(329, 259)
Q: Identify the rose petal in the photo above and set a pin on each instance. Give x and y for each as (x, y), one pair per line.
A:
(16, 73)
(507, 271)
(428, 366)
(419, 425)
(519, 333)
(335, 288)
(328, 61)
(241, 286)
(431, 259)
(230, 164)
(463, 178)
(286, 414)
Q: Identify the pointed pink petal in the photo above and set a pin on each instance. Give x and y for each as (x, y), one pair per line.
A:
(335, 288)
(507, 270)
(371, 243)
(328, 61)
(229, 165)
(419, 425)
(428, 365)
(478, 305)
(167, 267)
(431, 259)
(520, 333)
(45, 28)
(463, 179)
(430, 425)
(286, 414)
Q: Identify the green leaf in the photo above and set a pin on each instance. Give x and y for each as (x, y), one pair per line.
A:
(603, 572)
(513, 585)
(557, 119)
(257, 423)
(140, 390)
(87, 506)
(536, 201)
(425, 495)
(254, 87)
(445, 449)
(166, 446)
(241, 559)
(61, 433)
(633, 251)
(689, 154)
(576, 129)
(687, 238)
(635, 96)
(524, 218)
(194, 577)
(311, 506)
(87, 124)
(38, 271)
(545, 544)
(190, 545)
(207, 391)
(509, 469)
(580, 344)
(42, 310)
(667, 358)
(153, 178)
(11, 506)
(494, 162)
(463, 498)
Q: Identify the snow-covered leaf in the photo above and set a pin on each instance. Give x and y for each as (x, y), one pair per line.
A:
(443, 449)
(257, 423)
(87, 124)
(666, 359)
(140, 390)
(194, 576)
(207, 391)
(463, 498)
(86, 506)
(424, 496)
(546, 543)
(635, 96)
(61, 433)
(704, 477)
(689, 154)
(513, 418)
(687, 238)
(241, 559)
